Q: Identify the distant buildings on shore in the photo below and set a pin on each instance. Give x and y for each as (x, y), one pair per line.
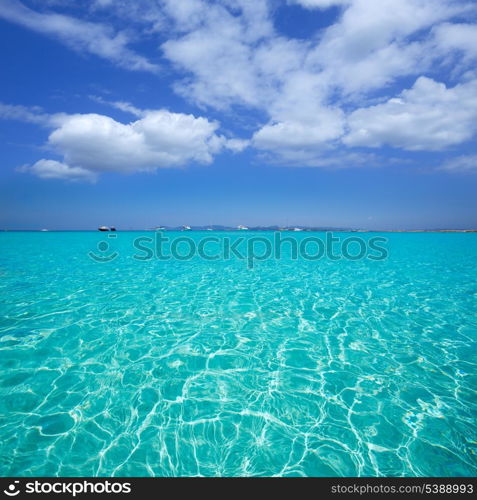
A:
(252, 228)
(287, 228)
(242, 227)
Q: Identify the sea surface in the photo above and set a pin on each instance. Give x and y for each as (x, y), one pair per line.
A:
(289, 367)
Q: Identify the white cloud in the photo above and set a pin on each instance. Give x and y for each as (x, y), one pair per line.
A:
(127, 107)
(239, 58)
(301, 84)
(31, 114)
(326, 158)
(312, 136)
(23, 113)
(461, 164)
(456, 37)
(160, 139)
(92, 143)
(319, 4)
(236, 145)
(146, 13)
(80, 35)
(370, 46)
(309, 95)
(429, 116)
(217, 49)
(51, 169)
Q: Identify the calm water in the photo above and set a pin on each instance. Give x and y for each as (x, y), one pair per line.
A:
(209, 368)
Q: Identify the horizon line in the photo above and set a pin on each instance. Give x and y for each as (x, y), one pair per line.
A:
(272, 228)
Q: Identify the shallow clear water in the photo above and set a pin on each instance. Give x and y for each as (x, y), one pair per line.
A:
(210, 368)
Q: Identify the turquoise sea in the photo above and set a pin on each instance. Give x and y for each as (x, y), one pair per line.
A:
(212, 368)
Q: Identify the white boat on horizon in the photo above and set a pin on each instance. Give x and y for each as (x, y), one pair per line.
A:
(186, 228)
(242, 228)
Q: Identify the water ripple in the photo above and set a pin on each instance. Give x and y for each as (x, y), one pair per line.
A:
(199, 368)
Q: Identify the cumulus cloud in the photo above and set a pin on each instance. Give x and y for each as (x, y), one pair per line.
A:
(429, 116)
(375, 42)
(52, 169)
(160, 139)
(93, 143)
(242, 59)
(306, 97)
(217, 48)
(83, 36)
(460, 37)
(301, 84)
(236, 145)
(301, 137)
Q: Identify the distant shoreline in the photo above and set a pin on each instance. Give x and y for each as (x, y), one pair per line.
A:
(251, 229)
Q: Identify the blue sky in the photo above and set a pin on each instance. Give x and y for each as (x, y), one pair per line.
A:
(355, 113)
